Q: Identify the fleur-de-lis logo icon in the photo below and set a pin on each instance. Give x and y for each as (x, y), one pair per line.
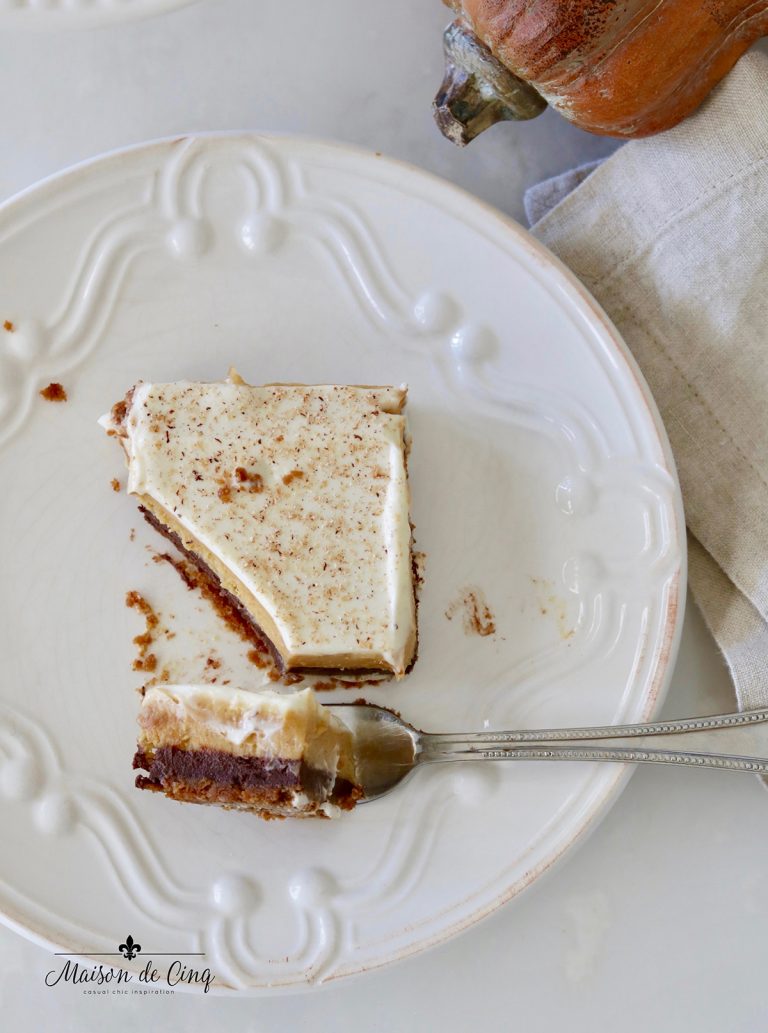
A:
(129, 949)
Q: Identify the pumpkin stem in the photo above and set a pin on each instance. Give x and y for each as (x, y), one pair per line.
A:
(478, 90)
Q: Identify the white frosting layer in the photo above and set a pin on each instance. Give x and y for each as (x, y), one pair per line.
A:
(236, 714)
(319, 531)
(268, 725)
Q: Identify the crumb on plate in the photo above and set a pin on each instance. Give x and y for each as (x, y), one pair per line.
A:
(54, 393)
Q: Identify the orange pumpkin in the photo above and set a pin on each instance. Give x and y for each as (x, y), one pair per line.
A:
(622, 68)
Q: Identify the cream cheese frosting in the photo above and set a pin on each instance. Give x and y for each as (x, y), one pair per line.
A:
(265, 725)
(301, 493)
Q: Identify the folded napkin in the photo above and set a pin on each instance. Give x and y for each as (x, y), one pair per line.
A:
(670, 234)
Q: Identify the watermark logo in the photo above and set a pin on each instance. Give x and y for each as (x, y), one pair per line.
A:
(129, 949)
(156, 978)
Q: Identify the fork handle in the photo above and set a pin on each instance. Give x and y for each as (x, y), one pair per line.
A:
(733, 742)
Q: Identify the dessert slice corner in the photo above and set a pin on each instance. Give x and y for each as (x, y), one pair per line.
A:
(277, 755)
(293, 502)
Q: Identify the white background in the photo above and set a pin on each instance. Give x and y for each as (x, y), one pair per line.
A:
(657, 921)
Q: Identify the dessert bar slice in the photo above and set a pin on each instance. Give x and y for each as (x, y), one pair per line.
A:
(277, 755)
(293, 501)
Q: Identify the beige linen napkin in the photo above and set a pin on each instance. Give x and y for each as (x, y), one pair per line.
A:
(671, 236)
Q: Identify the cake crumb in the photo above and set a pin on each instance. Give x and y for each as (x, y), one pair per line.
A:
(418, 565)
(8, 326)
(54, 393)
(115, 484)
(145, 661)
(135, 601)
(257, 658)
(119, 411)
(292, 476)
(132, 535)
(476, 615)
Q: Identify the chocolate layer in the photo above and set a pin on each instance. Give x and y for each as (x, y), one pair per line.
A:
(168, 765)
(215, 777)
(172, 762)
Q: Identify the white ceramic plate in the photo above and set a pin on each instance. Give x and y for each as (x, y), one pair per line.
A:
(49, 14)
(540, 474)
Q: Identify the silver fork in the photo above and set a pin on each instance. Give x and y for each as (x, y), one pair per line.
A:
(388, 749)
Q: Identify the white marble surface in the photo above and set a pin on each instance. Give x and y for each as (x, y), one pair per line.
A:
(657, 919)
(361, 72)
